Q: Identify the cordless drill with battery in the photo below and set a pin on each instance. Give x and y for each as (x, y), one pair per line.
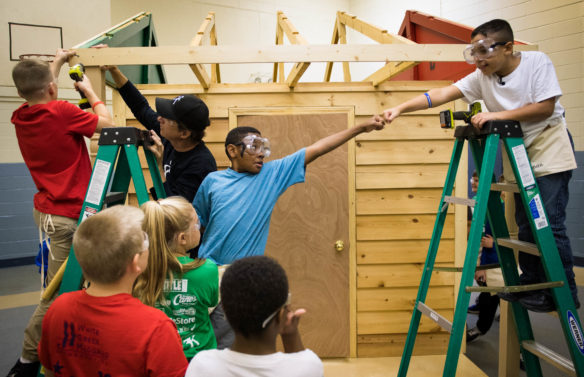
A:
(447, 117)
(76, 73)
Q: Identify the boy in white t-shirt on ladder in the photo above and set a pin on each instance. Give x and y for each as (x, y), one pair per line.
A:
(522, 87)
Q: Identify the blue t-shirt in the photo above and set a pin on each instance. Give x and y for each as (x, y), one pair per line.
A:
(235, 208)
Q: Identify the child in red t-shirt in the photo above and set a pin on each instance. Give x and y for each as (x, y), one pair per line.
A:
(51, 135)
(103, 330)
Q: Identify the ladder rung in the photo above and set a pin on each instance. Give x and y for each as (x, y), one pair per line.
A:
(526, 247)
(509, 187)
(460, 269)
(516, 288)
(112, 197)
(551, 357)
(434, 316)
(462, 201)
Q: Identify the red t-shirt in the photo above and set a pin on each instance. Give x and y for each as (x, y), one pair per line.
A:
(51, 141)
(113, 336)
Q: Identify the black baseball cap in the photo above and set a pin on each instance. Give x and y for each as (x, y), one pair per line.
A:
(188, 110)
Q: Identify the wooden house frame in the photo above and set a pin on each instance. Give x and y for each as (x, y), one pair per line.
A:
(394, 177)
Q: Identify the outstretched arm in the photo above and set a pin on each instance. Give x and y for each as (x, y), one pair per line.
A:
(531, 112)
(438, 96)
(99, 108)
(327, 144)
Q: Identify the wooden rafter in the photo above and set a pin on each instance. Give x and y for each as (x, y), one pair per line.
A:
(278, 75)
(285, 27)
(379, 35)
(206, 28)
(391, 69)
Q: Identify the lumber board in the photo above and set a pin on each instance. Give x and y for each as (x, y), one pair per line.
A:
(393, 345)
(408, 127)
(388, 71)
(343, 40)
(396, 322)
(391, 299)
(229, 54)
(404, 152)
(400, 275)
(334, 40)
(400, 176)
(399, 227)
(201, 74)
(371, 31)
(402, 251)
(399, 201)
(204, 29)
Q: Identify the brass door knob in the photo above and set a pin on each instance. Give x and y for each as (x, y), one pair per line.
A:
(339, 245)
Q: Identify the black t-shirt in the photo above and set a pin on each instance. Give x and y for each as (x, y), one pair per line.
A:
(184, 171)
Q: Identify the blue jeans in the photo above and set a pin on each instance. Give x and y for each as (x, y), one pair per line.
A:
(554, 193)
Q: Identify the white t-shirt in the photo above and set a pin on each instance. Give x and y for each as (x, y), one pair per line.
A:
(534, 80)
(227, 363)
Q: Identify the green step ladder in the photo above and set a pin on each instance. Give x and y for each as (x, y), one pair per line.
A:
(117, 162)
(483, 145)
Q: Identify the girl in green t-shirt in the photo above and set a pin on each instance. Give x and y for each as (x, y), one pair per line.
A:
(182, 287)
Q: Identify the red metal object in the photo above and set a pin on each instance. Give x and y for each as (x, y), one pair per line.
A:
(423, 28)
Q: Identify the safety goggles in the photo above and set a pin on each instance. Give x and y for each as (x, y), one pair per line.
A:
(255, 144)
(480, 50)
(271, 316)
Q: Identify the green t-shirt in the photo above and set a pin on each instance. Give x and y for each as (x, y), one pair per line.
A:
(187, 303)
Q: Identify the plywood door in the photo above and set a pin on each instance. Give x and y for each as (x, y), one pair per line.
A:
(307, 221)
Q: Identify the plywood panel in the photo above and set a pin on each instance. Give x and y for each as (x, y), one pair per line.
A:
(306, 222)
(399, 275)
(393, 345)
(391, 299)
(396, 322)
(400, 176)
(399, 201)
(408, 251)
(404, 152)
(400, 227)
(409, 127)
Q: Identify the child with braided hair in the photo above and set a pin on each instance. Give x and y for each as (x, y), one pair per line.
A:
(182, 287)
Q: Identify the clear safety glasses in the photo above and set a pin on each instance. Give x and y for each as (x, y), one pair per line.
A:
(255, 144)
(480, 50)
(271, 316)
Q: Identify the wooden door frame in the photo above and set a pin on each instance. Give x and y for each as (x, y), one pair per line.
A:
(234, 112)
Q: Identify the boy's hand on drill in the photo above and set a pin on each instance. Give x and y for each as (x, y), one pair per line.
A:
(84, 86)
(478, 120)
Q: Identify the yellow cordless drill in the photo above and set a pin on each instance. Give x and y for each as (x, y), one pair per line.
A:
(447, 117)
(76, 73)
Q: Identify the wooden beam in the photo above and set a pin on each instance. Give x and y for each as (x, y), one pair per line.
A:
(278, 74)
(270, 54)
(388, 71)
(204, 29)
(343, 40)
(371, 31)
(215, 73)
(335, 39)
(296, 39)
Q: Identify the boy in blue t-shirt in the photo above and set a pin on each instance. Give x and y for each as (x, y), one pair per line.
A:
(235, 205)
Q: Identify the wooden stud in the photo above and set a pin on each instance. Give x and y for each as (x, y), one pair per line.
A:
(335, 39)
(269, 54)
(205, 29)
(343, 40)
